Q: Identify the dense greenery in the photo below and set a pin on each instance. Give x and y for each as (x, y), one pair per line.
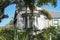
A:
(8, 34)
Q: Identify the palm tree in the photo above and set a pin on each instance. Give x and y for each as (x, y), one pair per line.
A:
(31, 5)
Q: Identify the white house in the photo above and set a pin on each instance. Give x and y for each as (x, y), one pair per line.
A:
(55, 21)
(40, 22)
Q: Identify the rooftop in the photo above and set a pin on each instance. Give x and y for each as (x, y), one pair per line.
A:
(55, 14)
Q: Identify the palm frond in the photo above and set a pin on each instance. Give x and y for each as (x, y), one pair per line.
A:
(45, 2)
(46, 13)
(30, 4)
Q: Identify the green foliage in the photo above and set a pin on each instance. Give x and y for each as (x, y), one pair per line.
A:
(45, 2)
(11, 22)
(46, 13)
(22, 36)
(30, 4)
(45, 34)
(6, 34)
(9, 34)
(1, 34)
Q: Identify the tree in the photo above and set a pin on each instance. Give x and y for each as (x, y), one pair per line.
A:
(6, 34)
(3, 5)
(31, 5)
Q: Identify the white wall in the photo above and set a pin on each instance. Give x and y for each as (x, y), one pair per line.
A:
(55, 21)
(40, 21)
(40, 24)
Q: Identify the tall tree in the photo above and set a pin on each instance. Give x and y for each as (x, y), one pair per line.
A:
(32, 3)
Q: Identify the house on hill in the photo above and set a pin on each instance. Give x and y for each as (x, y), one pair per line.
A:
(40, 22)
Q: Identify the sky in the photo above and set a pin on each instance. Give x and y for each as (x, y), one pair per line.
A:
(10, 10)
(50, 7)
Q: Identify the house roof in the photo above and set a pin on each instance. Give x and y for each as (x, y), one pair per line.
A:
(55, 15)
